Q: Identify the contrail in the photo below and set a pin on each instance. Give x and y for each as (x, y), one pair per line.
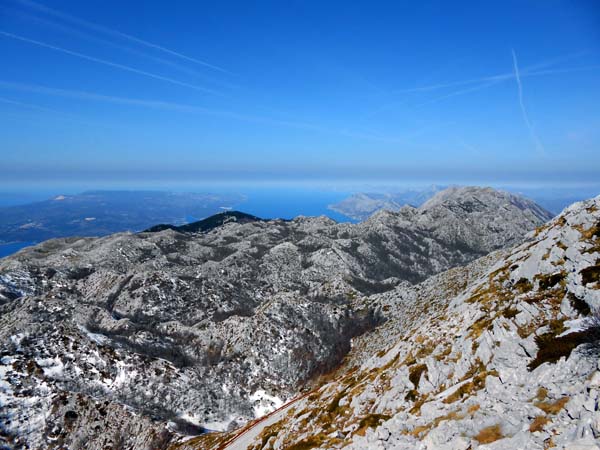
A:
(157, 104)
(179, 107)
(491, 81)
(532, 70)
(27, 105)
(435, 87)
(119, 34)
(56, 113)
(460, 92)
(536, 140)
(109, 63)
(50, 23)
(566, 70)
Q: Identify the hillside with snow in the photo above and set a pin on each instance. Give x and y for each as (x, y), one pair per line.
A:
(403, 331)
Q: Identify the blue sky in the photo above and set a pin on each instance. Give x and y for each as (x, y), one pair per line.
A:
(112, 91)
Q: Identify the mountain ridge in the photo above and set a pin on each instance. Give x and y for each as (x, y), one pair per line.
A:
(500, 354)
(224, 324)
(210, 223)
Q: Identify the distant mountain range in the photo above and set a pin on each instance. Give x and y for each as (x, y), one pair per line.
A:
(98, 213)
(362, 205)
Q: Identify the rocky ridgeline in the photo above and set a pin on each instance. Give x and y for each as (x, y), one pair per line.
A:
(135, 339)
(500, 354)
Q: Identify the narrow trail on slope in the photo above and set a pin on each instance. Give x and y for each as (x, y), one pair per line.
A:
(243, 440)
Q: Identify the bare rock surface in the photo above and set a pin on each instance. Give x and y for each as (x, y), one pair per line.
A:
(503, 354)
(133, 340)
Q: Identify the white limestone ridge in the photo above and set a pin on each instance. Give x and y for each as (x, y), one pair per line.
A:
(500, 354)
(411, 333)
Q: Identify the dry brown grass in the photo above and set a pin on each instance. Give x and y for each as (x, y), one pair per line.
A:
(452, 415)
(420, 430)
(481, 325)
(523, 285)
(489, 434)
(552, 407)
(371, 421)
(458, 394)
(590, 233)
(444, 353)
(476, 375)
(309, 442)
(542, 394)
(473, 409)
(538, 423)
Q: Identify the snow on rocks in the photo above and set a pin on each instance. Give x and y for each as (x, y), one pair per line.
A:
(510, 360)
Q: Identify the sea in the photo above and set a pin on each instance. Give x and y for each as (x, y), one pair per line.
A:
(287, 203)
(13, 247)
(264, 202)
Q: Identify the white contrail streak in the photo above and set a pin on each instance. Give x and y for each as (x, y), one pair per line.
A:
(55, 113)
(118, 34)
(108, 63)
(533, 70)
(487, 82)
(435, 87)
(27, 105)
(55, 25)
(460, 92)
(534, 137)
(156, 104)
(179, 107)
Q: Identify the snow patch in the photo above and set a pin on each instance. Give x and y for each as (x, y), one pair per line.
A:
(94, 337)
(52, 367)
(264, 403)
(220, 425)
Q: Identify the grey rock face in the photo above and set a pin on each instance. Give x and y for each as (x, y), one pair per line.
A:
(501, 354)
(191, 330)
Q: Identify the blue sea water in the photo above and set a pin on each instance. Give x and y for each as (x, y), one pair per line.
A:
(13, 247)
(286, 203)
(267, 203)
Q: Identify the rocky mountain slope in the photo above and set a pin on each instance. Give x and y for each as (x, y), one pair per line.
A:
(500, 354)
(105, 341)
